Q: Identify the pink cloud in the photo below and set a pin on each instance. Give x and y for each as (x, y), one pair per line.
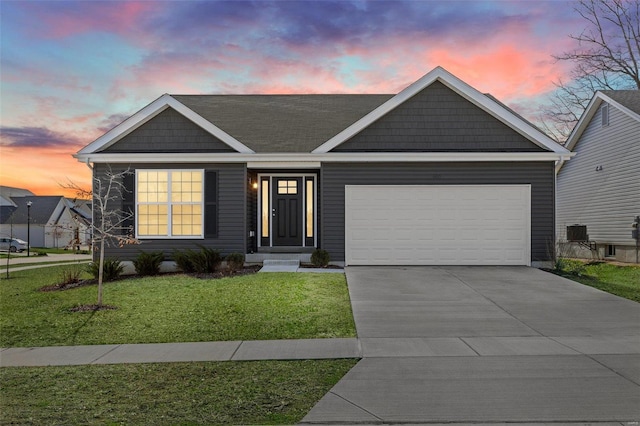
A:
(62, 21)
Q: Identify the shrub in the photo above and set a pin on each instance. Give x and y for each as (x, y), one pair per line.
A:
(70, 275)
(320, 258)
(148, 263)
(112, 269)
(205, 261)
(183, 261)
(235, 261)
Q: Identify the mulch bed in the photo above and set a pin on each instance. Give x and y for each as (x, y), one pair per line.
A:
(308, 265)
(68, 286)
(247, 270)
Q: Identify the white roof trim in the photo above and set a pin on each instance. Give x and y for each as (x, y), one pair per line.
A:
(588, 114)
(293, 159)
(147, 113)
(460, 87)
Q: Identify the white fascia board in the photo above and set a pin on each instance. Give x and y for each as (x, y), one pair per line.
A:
(296, 159)
(153, 109)
(584, 121)
(283, 164)
(460, 87)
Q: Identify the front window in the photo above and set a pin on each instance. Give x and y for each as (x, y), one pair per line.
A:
(169, 203)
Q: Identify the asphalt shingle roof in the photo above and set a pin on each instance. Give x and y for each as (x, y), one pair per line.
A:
(42, 208)
(627, 98)
(282, 123)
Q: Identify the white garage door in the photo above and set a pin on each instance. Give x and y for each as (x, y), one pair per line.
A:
(438, 225)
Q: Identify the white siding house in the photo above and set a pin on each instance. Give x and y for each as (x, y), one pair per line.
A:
(600, 186)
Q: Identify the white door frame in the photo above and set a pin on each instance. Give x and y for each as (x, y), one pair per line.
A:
(304, 177)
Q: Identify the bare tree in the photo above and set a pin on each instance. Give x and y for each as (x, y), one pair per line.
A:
(108, 225)
(606, 58)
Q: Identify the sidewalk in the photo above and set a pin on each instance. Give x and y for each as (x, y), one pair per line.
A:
(20, 260)
(247, 350)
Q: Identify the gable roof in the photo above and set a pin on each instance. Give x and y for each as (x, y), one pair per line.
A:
(282, 123)
(257, 126)
(463, 89)
(147, 113)
(627, 101)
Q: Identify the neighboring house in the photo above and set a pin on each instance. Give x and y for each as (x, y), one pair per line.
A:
(55, 221)
(600, 187)
(438, 174)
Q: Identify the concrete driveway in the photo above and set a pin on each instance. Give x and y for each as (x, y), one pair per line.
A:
(487, 345)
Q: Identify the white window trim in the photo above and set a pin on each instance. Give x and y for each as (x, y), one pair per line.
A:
(169, 236)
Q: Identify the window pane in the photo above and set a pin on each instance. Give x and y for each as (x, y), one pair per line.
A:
(309, 212)
(186, 220)
(265, 209)
(287, 187)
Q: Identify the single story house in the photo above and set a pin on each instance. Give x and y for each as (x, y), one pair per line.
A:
(599, 190)
(438, 174)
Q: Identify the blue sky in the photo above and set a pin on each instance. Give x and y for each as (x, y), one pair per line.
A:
(72, 70)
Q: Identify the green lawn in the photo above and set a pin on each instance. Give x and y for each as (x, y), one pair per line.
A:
(264, 392)
(174, 308)
(623, 281)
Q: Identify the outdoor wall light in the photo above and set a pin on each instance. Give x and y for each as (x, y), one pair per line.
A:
(598, 168)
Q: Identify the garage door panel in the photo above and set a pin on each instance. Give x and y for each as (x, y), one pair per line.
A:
(438, 225)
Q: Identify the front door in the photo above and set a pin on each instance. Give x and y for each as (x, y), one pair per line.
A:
(287, 211)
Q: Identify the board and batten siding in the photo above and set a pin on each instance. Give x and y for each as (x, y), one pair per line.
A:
(232, 221)
(540, 175)
(606, 200)
(437, 119)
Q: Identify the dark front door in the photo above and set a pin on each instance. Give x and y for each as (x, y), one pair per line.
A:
(287, 211)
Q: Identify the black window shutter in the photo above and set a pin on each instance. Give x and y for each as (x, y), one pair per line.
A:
(128, 203)
(210, 204)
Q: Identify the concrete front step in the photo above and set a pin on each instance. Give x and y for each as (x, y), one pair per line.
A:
(262, 257)
(282, 262)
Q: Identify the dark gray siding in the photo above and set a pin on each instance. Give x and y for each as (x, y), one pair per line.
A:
(232, 192)
(434, 120)
(169, 131)
(334, 177)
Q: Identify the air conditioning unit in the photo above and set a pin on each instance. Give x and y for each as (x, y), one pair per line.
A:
(577, 233)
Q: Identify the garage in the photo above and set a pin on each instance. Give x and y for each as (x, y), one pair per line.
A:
(437, 224)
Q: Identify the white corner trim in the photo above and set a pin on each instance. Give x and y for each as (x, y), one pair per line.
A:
(153, 109)
(294, 159)
(460, 87)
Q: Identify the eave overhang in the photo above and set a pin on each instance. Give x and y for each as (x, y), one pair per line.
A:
(315, 159)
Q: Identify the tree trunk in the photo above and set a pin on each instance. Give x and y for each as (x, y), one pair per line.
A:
(101, 271)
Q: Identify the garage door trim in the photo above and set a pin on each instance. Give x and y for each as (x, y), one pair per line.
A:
(506, 248)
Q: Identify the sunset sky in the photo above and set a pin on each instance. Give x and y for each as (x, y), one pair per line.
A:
(70, 71)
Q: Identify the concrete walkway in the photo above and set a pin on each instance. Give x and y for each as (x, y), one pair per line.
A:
(486, 345)
(181, 352)
(21, 259)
